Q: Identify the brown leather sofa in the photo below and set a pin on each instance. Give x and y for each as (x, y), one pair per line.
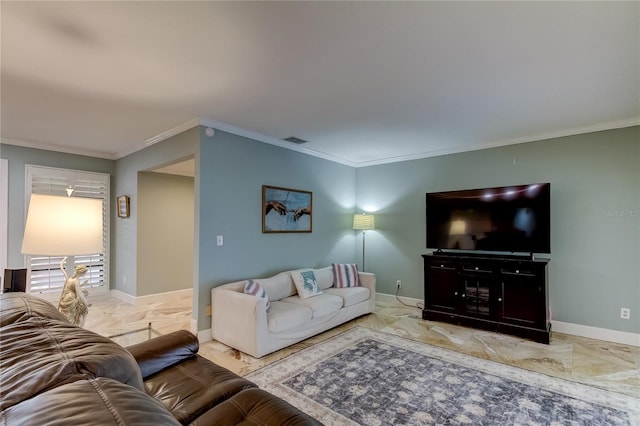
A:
(52, 373)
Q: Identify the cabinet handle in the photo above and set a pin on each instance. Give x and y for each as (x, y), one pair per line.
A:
(517, 271)
(499, 299)
(463, 295)
(455, 294)
(476, 268)
(442, 266)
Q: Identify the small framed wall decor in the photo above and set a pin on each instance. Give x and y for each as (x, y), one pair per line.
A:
(286, 210)
(123, 206)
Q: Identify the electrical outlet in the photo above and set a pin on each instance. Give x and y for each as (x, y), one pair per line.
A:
(625, 313)
(398, 283)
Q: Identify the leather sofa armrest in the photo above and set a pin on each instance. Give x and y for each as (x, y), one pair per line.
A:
(162, 352)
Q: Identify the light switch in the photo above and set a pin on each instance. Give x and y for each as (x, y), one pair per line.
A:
(219, 240)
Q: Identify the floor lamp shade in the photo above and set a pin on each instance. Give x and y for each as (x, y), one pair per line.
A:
(364, 221)
(63, 226)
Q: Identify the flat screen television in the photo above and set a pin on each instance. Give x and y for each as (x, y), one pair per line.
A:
(513, 219)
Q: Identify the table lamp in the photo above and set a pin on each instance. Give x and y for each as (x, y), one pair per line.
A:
(63, 226)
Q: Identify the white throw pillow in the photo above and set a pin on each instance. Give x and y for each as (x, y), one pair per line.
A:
(306, 283)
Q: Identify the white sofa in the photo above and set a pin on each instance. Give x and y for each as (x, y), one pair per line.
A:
(241, 321)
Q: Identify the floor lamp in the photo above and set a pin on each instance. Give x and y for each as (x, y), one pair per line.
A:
(364, 222)
(63, 226)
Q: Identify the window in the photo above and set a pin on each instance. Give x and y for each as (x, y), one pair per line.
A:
(45, 275)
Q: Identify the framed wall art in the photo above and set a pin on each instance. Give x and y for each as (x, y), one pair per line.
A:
(286, 210)
(123, 205)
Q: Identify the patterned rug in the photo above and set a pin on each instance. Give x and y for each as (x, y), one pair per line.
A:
(367, 377)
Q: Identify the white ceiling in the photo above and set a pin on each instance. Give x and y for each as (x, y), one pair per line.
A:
(363, 82)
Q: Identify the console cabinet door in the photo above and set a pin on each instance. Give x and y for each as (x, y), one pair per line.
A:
(477, 296)
(522, 301)
(442, 290)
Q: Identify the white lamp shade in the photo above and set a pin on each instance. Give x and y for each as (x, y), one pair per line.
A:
(63, 226)
(364, 221)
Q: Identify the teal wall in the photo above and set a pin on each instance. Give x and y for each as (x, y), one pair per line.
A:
(18, 157)
(595, 235)
(232, 172)
(124, 246)
(595, 181)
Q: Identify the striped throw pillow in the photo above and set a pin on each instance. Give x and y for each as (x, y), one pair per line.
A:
(254, 288)
(345, 275)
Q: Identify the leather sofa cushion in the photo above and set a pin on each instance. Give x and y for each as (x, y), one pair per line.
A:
(20, 306)
(193, 386)
(38, 354)
(350, 295)
(164, 351)
(284, 316)
(320, 305)
(100, 401)
(255, 407)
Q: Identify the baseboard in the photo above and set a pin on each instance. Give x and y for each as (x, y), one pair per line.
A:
(391, 298)
(125, 297)
(151, 298)
(615, 336)
(625, 338)
(203, 335)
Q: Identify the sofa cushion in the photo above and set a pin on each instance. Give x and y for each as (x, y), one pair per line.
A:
(254, 288)
(321, 305)
(254, 407)
(345, 275)
(324, 276)
(279, 286)
(284, 316)
(192, 387)
(306, 283)
(38, 354)
(350, 295)
(100, 401)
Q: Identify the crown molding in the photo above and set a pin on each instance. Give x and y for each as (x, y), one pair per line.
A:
(59, 148)
(599, 127)
(287, 145)
(159, 137)
(218, 125)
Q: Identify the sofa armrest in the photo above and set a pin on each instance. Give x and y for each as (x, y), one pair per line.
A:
(237, 319)
(162, 352)
(368, 280)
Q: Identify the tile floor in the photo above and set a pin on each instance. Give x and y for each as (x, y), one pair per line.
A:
(603, 364)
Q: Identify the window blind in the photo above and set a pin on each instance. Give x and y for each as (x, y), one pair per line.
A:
(45, 274)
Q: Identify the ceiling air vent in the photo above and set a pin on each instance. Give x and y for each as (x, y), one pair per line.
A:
(295, 140)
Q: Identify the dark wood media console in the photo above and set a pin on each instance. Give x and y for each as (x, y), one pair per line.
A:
(508, 295)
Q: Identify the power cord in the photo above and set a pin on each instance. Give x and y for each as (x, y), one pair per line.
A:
(418, 305)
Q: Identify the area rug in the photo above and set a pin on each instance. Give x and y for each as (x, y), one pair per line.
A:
(365, 377)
